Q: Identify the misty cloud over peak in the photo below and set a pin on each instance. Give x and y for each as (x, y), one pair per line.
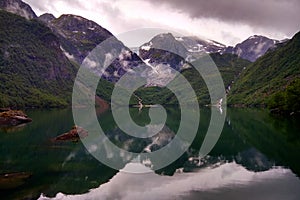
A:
(276, 14)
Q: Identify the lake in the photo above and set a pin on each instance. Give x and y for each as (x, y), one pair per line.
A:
(256, 157)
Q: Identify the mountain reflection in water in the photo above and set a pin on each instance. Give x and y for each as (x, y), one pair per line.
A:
(256, 155)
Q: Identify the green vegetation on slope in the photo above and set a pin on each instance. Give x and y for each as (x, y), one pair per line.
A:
(264, 80)
(230, 66)
(104, 89)
(34, 72)
(286, 101)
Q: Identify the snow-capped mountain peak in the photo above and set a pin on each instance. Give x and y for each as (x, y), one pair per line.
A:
(253, 47)
(195, 44)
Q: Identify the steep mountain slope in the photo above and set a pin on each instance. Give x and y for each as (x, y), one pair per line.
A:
(271, 73)
(164, 48)
(18, 7)
(155, 52)
(156, 55)
(37, 62)
(253, 47)
(230, 67)
(34, 72)
(79, 36)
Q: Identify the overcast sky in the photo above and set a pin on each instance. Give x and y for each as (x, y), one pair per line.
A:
(226, 21)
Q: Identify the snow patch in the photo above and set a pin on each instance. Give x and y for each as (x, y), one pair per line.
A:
(116, 74)
(179, 39)
(239, 51)
(147, 63)
(259, 48)
(125, 54)
(147, 47)
(252, 37)
(215, 43)
(69, 56)
(160, 75)
(90, 63)
(197, 48)
(78, 18)
(108, 59)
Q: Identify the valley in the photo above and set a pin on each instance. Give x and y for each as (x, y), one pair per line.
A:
(86, 115)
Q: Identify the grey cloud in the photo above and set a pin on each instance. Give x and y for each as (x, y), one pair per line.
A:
(47, 5)
(278, 15)
(273, 18)
(41, 5)
(112, 13)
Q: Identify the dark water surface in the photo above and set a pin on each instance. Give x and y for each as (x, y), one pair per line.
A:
(256, 157)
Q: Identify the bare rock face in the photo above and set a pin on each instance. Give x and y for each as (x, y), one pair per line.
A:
(46, 18)
(253, 47)
(13, 118)
(79, 36)
(164, 48)
(18, 7)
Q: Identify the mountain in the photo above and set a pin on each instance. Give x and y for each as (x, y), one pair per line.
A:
(164, 55)
(34, 72)
(79, 36)
(195, 44)
(18, 7)
(38, 59)
(164, 48)
(230, 66)
(188, 47)
(250, 49)
(253, 47)
(46, 18)
(163, 51)
(273, 77)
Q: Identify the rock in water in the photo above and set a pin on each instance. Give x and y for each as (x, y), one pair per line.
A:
(13, 180)
(74, 134)
(13, 118)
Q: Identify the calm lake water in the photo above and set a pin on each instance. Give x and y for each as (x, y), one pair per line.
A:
(256, 157)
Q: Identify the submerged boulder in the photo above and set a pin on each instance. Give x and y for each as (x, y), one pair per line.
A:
(74, 134)
(13, 118)
(13, 180)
